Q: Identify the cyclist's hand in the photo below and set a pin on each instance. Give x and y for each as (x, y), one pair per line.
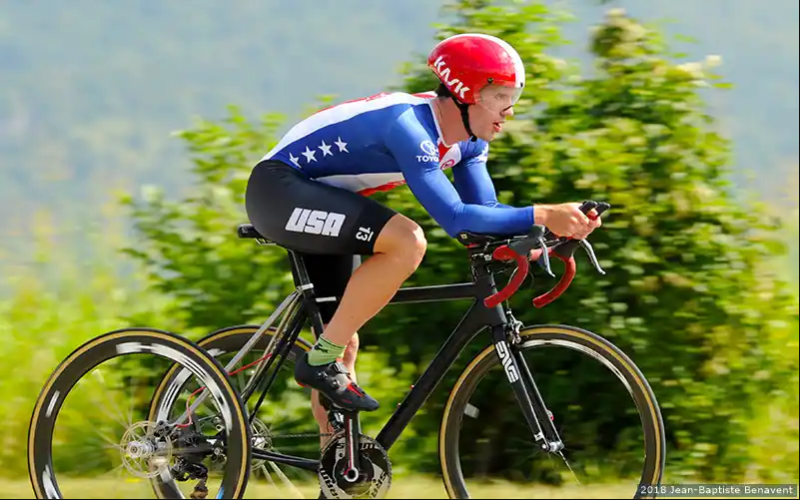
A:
(567, 220)
(534, 254)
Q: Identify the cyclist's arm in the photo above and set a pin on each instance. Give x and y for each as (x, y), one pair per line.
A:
(437, 194)
(473, 183)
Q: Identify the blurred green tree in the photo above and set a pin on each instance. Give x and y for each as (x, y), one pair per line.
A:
(687, 294)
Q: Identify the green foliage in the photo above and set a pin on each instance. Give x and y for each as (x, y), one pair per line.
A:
(40, 325)
(190, 247)
(689, 294)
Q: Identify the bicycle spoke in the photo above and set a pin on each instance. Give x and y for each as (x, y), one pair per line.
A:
(285, 480)
(561, 454)
(118, 416)
(266, 474)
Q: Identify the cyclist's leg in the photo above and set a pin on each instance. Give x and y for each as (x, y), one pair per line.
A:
(313, 217)
(330, 274)
(397, 253)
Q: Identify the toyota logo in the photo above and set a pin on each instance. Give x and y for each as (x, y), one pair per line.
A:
(428, 148)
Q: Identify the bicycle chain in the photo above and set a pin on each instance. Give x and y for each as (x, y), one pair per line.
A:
(287, 436)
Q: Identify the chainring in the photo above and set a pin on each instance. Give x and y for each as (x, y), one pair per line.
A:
(375, 470)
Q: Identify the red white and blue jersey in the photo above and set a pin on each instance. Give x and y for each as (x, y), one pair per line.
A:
(391, 139)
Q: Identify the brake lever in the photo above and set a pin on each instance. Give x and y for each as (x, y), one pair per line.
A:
(592, 257)
(600, 208)
(524, 246)
(545, 258)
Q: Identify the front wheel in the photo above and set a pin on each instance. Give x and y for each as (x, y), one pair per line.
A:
(600, 403)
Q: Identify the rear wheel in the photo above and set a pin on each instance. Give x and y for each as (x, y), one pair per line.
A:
(284, 423)
(92, 436)
(611, 446)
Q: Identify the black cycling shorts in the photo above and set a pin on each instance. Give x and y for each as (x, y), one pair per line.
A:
(328, 226)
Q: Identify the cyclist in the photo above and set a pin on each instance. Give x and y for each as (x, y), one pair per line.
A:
(311, 193)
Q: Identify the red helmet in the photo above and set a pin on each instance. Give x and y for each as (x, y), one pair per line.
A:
(479, 68)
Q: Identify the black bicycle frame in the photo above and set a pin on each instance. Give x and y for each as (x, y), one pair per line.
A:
(476, 318)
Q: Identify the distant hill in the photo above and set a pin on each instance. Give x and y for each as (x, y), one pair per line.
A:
(91, 92)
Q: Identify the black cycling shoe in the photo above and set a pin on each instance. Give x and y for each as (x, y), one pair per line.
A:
(333, 381)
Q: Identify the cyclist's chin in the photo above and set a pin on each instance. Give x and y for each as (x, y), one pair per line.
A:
(487, 134)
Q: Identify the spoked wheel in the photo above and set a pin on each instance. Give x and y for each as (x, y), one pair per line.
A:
(284, 422)
(611, 446)
(92, 434)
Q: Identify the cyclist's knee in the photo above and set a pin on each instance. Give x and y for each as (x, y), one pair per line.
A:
(416, 245)
(404, 239)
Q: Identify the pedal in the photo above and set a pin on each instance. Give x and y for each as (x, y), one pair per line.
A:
(336, 419)
(200, 490)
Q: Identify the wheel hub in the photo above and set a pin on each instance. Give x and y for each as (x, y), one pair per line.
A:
(145, 452)
(140, 449)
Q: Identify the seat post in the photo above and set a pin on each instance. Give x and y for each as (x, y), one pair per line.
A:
(299, 269)
(303, 282)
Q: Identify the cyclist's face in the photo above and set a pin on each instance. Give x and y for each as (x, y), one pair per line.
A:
(487, 123)
(495, 105)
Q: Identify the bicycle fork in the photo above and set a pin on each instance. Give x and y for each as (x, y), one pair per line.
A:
(527, 394)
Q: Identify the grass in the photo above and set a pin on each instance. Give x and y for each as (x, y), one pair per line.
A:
(415, 486)
(403, 487)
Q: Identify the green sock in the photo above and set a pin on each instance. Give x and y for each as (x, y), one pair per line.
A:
(324, 352)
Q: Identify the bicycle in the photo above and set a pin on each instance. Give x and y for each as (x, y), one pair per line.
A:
(248, 443)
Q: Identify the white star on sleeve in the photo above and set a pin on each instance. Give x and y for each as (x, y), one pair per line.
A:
(342, 145)
(309, 154)
(326, 149)
(294, 159)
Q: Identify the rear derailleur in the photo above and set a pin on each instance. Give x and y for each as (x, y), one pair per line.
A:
(189, 466)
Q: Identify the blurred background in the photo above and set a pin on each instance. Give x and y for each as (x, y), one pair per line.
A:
(127, 131)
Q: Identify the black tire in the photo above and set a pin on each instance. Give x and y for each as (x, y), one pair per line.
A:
(169, 346)
(569, 337)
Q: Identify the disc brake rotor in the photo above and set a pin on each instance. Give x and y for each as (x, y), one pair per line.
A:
(145, 453)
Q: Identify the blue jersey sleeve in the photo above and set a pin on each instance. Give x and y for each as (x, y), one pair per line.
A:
(472, 180)
(405, 140)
